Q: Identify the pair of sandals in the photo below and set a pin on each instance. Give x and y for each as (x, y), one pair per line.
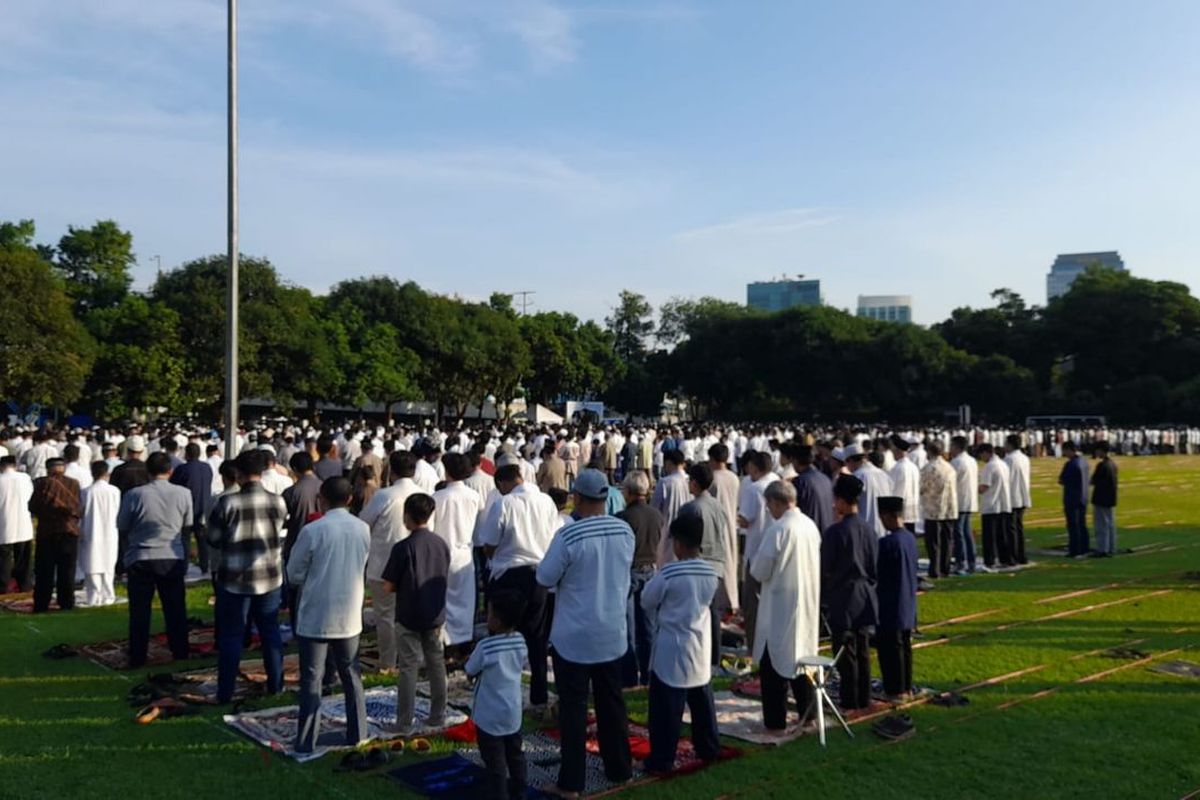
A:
(895, 727)
(163, 708)
(375, 757)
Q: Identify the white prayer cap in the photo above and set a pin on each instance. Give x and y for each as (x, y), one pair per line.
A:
(135, 444)
(267, 448)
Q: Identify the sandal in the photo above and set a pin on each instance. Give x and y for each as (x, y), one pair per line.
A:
(420, 745)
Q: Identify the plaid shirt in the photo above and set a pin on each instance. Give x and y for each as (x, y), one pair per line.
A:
(246, 526)
(56, 504)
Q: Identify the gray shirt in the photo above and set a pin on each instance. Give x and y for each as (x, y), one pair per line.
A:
(712, 513)
(152, 518)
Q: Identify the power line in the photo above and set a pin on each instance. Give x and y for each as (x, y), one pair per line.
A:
(524, 301)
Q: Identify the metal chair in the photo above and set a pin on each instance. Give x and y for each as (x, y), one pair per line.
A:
(819, 664)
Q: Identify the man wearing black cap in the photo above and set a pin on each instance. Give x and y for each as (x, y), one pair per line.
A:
(849, 551)
(897, 591)
(57, 506)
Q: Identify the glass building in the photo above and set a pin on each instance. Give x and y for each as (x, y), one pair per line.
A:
(1069, 266)
(781, 294)
(886, 307)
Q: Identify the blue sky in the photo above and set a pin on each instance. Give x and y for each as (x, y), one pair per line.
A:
(940, 149)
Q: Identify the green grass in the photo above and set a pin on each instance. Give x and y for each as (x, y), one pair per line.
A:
(65, 729)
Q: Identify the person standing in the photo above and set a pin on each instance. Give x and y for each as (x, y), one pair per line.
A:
(814, 490)
(1104, 501)
(153, 518)
(646, 522)
(754, 518)
(16, 527)
(712, 544)
(456, 512)
(725, 488)
(906, 484)
(196, 476)
(552, 473)
(897, 592)
(670, 494)
(939, 506)
(1019, 488)
(247, 527)
(589, 564)
(966, 471)
(56, 504)
(788, 567)
(385, 517)
(98, 537)
(327, 568)
(849, 558)
(1074, 481)
(995, 506)
(876, 483)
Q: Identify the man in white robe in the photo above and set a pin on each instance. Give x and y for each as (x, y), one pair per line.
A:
(787, 565)
(876, 484)
(456, 510)
(98, 537)
(16, 527)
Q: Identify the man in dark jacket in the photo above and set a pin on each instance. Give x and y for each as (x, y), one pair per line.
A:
(1074, 480)
(814, 489)
(1104, 502)
(897, 599)
(196, 476)
(849, 553)
(56, 504)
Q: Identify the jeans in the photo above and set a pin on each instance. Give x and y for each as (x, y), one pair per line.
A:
(505, 764)
(612, 725)
(313, 653)
(635, 666)
(666, 719)
(165, 576)
(413, 648)
(1104, 519)
(1077, 532)
(232, 612)
(964, 543)
(54, 570)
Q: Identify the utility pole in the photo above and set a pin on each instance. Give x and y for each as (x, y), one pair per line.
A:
(231, 334)
(158, 261)
(525, 301)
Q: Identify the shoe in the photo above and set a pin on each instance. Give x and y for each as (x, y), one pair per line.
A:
(554, 790)
(984, 569)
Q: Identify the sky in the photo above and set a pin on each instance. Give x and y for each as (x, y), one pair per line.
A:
(939, 148)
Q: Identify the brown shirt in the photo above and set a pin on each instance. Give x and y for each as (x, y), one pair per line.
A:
(56, 504)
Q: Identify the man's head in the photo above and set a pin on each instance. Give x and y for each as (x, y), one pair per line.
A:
(687, 533)
(718, 455)
(8, 463)
(1100, 449)
(210, 451)
(1069, 449)
(301, 463)
(508, 478)
(891, 512)
(673, 461)
(700, 478)
(635, 487)
(159, 465)
(802, 457)
(898, 444)
(985, 451)
(229, 474)
(336, 493)
(458, 467)
(403, 464)
(560, 497)
(418, 508)
(99, 470)
(758, 464)
(780, 497)
(846, 492)
(251, 465)
(56, 466)
(1012, 442)
(192, 451)
(958, 444)
(135, 447)
(591, 492)
(933, 450)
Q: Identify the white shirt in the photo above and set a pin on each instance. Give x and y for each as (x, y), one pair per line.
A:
(16, 523)
(1019, 488)
(274, 481)
(426, 477)
(98, 529)
(327, 565)
(385, 517)
(482, 483)
(670, 494)
(456, 511)
(876, 484)
(218, 485)
(967, 470)
(997, 498)
(788, 565)
(496, 662)
(520, 526)
(676, 602)
(589, 563)
(906, 483)
(82, 475)
(753, 506)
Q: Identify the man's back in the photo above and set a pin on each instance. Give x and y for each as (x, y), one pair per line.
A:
(646, 522)
(246, 527)
(814, 497)
(329, 560)
(16, 524)
(710, 512)
(849, 551)
(153, 518)
(130, 475)
(197, 477)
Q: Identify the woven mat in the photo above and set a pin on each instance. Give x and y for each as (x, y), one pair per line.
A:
(199, 686)
(23, 603)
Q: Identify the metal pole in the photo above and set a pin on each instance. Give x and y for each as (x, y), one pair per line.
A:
(231, 335)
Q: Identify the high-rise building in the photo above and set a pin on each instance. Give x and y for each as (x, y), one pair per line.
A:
(1069, 266)
(783, 293)
(886, 307)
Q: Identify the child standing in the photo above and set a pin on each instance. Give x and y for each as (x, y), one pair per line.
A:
(496, 666)
(417, 572)
(677, 602)
(897, 591)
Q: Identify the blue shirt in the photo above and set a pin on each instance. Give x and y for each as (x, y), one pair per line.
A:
(589, 564)
(677, 601)
(897, 581)
(814, 497)
(496, 664)
(1074, 480)
(197, 477)
(153, 517)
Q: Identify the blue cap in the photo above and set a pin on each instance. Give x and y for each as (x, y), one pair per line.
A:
(592, 484)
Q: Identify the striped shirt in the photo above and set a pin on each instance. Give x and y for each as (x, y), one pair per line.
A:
(496, 664)
(589, 564)
(247, 527)
(677, 601)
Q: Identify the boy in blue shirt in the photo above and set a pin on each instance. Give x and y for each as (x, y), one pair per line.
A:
(677, 603)
(496, 667)
(897, 592)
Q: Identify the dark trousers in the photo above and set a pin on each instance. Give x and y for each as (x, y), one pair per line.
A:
(314, 653)
(1078, 542)
(505, 764)
(895, 660)
(666, 719)
(165, 576)
(14, 566)
(854, 667)
(534, 626)
(717, 609)
(635, 666)
(572, 680)
(54, 570)
(939, 539)
(1018, 536)
(201, 537)
(774, 694)
(232, 613)
(997, 540)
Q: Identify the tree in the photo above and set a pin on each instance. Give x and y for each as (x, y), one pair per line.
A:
(568, 359)
(382, 369)
(45, 353)
(631, 323)
(678, 318)
(304, 354)
(95, 263)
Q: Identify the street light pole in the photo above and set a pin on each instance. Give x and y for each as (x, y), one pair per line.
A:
(231, 334)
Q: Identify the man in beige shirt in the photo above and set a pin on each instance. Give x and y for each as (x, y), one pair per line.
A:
(939, 508)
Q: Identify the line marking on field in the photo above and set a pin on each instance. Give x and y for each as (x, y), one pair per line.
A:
(1079, 593)
(963, 618)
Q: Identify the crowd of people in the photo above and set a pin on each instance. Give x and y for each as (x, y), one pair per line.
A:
(613, 552)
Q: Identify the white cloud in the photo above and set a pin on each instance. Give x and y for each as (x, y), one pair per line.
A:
(770, 223)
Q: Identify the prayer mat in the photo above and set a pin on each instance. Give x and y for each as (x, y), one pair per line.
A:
(460, 692)
(741, 718)
(275, 728)
(199, 686)
(115, 654)
(23, 603)
(1181, 669)
(453, 777)
(543, 758)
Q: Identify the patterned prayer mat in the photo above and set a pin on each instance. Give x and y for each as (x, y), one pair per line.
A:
(452, 777)
(1181, 669)
(460, 692)
(199, 686)
(23, 603)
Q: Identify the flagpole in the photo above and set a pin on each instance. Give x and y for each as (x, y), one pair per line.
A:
(231, 334)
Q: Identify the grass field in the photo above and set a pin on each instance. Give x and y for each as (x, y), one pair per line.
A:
(1062, 728)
